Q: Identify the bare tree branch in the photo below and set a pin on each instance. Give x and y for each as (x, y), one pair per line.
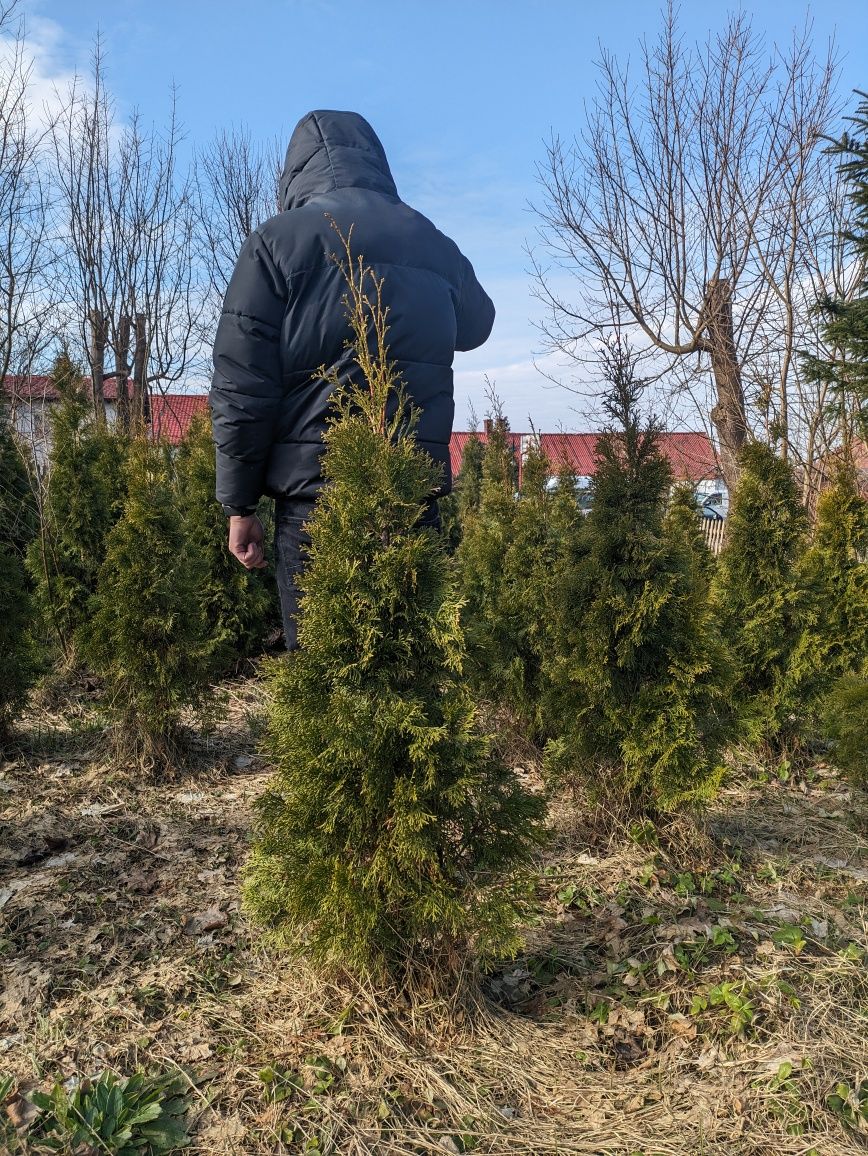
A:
(685, 210)
(127, 238)
(236, 190)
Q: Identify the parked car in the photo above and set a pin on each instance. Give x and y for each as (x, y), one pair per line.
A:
(711, 511)
(584, 497)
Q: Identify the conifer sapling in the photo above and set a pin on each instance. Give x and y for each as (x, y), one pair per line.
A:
(19, 515)
(146, 635)
(506, 565)
(834, 577)
(17, 665)
(83, 499)
(454, 507)
(758, 589)
(638, 678)
(17, 528)
(389, 823)
(235, 601)
(492, 645)
(844, 720)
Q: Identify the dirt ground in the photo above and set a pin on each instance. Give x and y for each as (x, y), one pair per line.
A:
(702, 989)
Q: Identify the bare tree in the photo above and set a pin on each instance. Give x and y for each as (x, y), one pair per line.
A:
(236, 187)
(685, 210)
(25, 298)
(28, 298)
(127, 237)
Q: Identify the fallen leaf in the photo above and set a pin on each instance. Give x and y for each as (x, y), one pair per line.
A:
(62, 860)
(209, 920)
(682, 1026)
(21, 1112)
(6, 893)
(684, 929)
(143, 883)
(190, 797)
(771, 1064)
(708, 1057)
(148, 837)
(100, 810)
(229, 1130)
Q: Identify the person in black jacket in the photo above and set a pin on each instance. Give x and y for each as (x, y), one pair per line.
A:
(283, 319)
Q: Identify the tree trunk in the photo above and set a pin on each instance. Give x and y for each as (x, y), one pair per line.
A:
(728, 414)
(122, 371)
(98, 339)
(141, 408)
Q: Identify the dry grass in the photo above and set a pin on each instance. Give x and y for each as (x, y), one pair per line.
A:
(604, 1037)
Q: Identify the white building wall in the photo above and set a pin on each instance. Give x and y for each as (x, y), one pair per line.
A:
(30, 419)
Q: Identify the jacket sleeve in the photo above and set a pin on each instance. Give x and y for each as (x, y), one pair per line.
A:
(246, 389)
(475, 313)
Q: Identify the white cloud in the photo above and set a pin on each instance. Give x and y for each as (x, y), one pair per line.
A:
(44, 51)
(525, 391)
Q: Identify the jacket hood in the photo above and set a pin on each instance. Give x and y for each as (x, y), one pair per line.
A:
(333, 150)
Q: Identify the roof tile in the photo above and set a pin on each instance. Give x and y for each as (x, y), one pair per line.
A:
(691, 454)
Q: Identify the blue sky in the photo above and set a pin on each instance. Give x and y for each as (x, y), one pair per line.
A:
(462, 94)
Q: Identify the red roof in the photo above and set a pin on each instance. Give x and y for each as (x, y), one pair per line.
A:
(171, 414)
(691, 455)
(459, 440)
(39, 387)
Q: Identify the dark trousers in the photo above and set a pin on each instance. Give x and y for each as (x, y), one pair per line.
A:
(291, 546)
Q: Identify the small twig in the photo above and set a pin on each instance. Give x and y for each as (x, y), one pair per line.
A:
(134, 846)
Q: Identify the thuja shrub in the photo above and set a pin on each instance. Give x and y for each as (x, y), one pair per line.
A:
(527, 569)
(146, 636)
(454, 507)
(487, 532)
(468, 488)
(18, 665)
(508, 562)
(390, 827)
(834, 577)
(700, 718)
(83, 498)
(844, 721)
(759, 592)
(19, 515)
(637, 675)
(17, 528)
(236, 602)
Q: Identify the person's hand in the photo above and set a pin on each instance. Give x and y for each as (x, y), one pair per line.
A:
(245, 541)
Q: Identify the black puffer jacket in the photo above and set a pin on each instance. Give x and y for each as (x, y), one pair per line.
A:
(283, 316)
